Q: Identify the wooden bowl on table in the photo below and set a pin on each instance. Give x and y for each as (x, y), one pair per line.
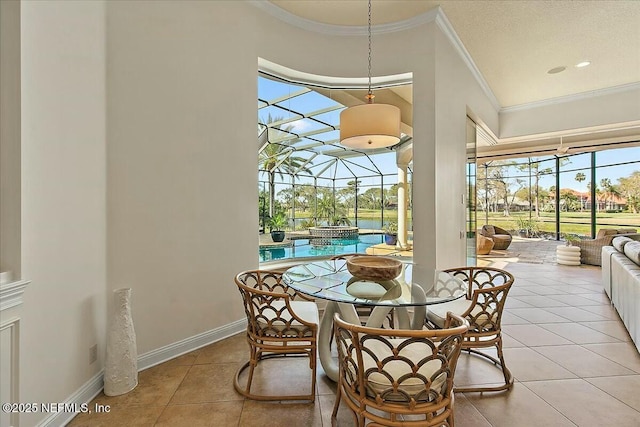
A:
(374, 267)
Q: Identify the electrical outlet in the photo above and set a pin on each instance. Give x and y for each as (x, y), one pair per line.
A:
(93, 353)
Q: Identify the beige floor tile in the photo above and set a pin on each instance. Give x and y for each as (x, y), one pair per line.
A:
(473, 370)
(277, 414)
(528, 365)
(155, 387)
(345, 416)
(623, 388)
(573, 300)
(533, 335)
(584, 404)
(467, 415)
(545, 290)
(280, 377)
(541, 301)
(600, 298)
(231, 350)
(608, 311)
(514, 302)
(518, 407)
(537, 315)
(187, 359)
(582, 362)
(578, 333)
(207, 383)
(509, 342)
(120, 415)
(201, 415)
(517, 291)
(508, 318)
(575, 314)
(625, 354)
(610, 327)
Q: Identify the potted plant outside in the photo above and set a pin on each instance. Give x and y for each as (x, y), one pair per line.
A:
(277, 226)
(527, 227)
(391, 234)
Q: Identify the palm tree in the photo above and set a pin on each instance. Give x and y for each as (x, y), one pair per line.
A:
(579, 178)
(277, 158)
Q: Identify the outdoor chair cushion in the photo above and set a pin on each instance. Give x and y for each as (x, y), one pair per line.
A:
(437, 313)
(379, 382)
(306, 310)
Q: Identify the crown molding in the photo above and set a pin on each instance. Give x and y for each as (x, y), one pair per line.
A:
(446, 27)
(434, 15)
(343, 30)
(572, 98)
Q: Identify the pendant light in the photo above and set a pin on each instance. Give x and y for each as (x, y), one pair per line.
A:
(370, 125)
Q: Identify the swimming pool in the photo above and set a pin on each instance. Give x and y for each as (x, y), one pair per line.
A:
(321, 247)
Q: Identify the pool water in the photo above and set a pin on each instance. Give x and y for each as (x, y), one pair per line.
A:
(321, 247)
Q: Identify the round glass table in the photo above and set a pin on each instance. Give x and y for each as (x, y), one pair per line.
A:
(415, 287)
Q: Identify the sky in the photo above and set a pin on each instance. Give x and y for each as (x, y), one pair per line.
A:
(271, 90)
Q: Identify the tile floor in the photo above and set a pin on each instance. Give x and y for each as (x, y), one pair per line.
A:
(571, 356)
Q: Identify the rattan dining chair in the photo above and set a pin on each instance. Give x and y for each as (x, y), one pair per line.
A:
(280, 322)
(397, 377)
(482, 308)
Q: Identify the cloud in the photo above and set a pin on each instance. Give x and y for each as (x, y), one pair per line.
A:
(299, 126)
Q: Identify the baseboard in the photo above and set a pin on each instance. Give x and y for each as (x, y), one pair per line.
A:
(91, 388)
(187, 345)
(84, 394)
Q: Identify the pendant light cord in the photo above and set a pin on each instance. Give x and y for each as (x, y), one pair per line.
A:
(370, 95)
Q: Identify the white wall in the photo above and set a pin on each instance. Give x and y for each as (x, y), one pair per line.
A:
(10, 137)
(63, 197)
(587, 110)
(182, 184)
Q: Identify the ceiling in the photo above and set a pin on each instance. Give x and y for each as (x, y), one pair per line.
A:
(519, 41)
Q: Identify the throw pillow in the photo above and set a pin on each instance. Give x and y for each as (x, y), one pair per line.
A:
(620, 242)
(632, 251)
(489, 230)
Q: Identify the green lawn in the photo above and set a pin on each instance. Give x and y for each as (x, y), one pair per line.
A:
(570, 222)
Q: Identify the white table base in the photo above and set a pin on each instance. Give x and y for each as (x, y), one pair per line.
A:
(348, 313)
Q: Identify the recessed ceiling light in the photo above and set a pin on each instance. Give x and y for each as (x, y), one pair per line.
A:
(556, 70)
(583, 64)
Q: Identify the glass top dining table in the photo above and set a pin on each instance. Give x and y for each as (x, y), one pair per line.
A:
(414, 286)
(409, 294)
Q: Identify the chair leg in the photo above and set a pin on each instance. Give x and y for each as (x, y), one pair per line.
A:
(336, 405)
(508, 377)
(255, 357)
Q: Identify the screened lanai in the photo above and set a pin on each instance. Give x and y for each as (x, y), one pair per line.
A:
(308, 178)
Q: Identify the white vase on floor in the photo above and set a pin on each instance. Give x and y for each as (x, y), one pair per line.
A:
(121, 366)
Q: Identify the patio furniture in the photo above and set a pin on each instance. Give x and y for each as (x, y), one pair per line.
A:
(591, 249)
(398, 377)
(501, 237)
(482, 308)
(483, 245)
(280, 322)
